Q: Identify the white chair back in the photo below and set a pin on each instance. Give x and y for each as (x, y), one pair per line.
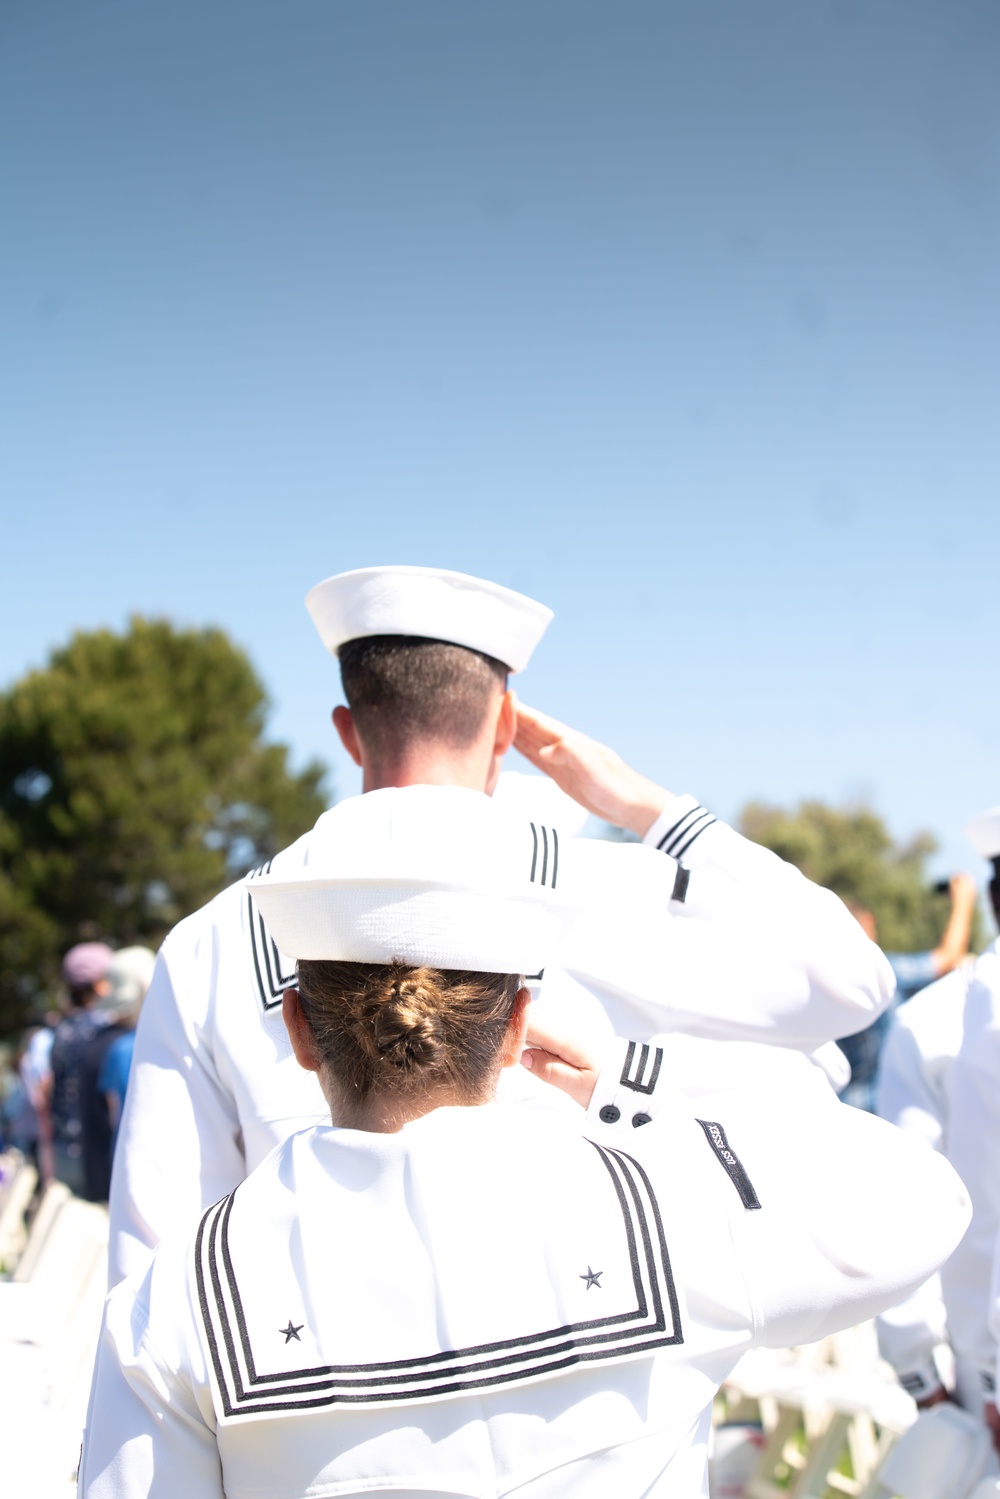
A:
(942, 1456)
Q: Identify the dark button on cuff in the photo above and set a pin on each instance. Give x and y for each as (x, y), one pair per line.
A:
(638, 1119)
(610, 1114)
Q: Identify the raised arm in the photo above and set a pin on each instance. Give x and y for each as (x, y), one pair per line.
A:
(954, 944)
(703, 929)
(834, 1215)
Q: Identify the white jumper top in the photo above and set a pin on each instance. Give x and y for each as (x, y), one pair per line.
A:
(974, 1150)
(503, 1300)
(916, 1080)
(731, 942)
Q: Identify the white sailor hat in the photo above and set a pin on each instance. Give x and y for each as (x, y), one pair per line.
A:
(426, 875)
(431, 603)
(983, 833)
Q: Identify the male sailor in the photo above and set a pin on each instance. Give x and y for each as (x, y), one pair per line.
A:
(916, 1090)
(750, 949)
(974, 1148)
(431, 1293)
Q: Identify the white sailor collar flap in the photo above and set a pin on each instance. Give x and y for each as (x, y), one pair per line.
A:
(272, 971)
(579, 1288)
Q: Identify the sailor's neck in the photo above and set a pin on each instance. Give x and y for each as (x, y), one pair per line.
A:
(427, 770)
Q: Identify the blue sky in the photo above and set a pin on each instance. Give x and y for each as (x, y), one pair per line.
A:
(683, 318)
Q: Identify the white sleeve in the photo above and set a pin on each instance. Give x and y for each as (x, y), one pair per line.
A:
(904, 1095)
(179, 1144)
(857, 1216)
(732, 942)
(908, 1334)
(913, 1092)
(974, 1150)
(835, 1215)
(922, 1041)
(641, 1080)
(150, 1425)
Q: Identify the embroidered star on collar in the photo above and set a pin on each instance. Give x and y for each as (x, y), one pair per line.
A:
(292, 1332)
(593, 1278)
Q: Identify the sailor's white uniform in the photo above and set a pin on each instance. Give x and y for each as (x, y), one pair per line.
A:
(497, 1301)
(974, 1150)
(916, 1071)
(701, 931)
(915, 1091)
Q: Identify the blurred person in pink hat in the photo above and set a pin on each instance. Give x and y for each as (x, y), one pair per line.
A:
(85, 972)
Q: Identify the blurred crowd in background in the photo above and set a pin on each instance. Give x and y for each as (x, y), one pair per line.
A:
(63, 1083)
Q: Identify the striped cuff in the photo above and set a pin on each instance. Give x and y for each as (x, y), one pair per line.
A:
(921, 1382)
(679, 826)
(627, 1085)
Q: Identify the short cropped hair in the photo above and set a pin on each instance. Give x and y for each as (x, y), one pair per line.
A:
(404, 688)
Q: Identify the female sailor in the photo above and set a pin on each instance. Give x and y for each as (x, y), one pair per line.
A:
(436, 1295)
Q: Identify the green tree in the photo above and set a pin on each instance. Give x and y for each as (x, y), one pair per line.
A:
(851, 852)
(134, 784)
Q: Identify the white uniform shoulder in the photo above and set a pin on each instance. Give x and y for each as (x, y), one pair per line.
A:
(214, 1084)
(917, 1065)
(934, 1015)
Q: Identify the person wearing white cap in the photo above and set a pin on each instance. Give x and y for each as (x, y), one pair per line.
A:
(434, 1294)
(129, 976)
(973, 1145)
(916, 1090)
(117, 1008)
(752, 949)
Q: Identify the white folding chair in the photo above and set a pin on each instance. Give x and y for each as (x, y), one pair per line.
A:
(50, 1315)
(18, 1180)
(943, 1456)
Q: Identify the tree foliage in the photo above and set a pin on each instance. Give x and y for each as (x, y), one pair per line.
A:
(134, 784)
(851, 852)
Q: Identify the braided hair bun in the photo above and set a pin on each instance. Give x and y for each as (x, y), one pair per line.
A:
(395, 1031)
(403, 1026)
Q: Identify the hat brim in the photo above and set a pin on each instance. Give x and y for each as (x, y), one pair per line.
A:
(402, 920)
(432, 604)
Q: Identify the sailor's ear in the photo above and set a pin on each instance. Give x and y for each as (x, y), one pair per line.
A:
(343, 722)
(517, 1029)
(299, 1032)
(506, 724)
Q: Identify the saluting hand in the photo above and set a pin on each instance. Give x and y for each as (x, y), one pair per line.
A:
(591, 773)
(557, 1058)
